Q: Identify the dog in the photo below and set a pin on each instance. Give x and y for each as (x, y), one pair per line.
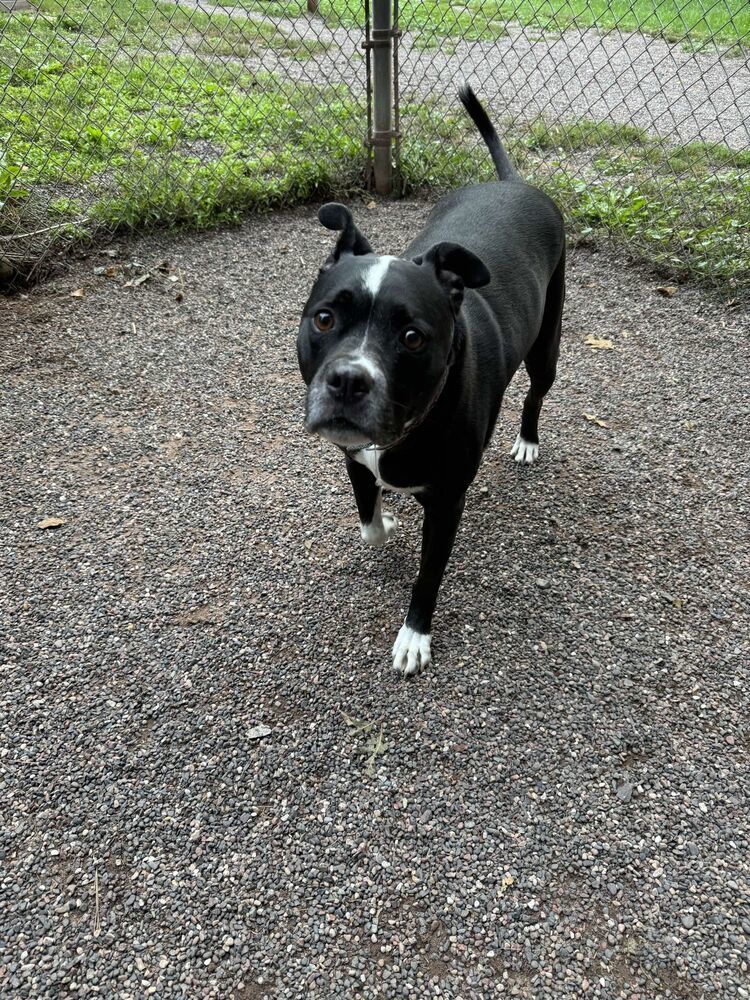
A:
(406, 359)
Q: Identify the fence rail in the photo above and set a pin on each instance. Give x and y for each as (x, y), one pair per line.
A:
(634, 114)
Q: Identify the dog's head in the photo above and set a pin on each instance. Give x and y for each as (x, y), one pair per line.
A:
(378, 333)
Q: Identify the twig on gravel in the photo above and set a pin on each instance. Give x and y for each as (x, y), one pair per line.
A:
(97, 905)
(377, 748)
(46, 229)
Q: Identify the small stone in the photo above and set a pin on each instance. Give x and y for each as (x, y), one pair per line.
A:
(624, 791)
(543, 583)
(688, 920)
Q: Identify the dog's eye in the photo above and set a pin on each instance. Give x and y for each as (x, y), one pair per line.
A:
(413, 339)
(323, 321)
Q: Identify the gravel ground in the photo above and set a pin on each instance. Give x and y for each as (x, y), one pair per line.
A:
(558, 808)
(623, 77)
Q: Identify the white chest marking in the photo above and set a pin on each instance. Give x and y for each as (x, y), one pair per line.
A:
(370, 457)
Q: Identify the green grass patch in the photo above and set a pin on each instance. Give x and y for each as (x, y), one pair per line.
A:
(64, 34)
(180, 138)
(100, 121)
(726, 22)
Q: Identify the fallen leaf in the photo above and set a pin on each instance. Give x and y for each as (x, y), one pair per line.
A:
(258, 732)
(51, 522)
(179, 297)
(599, 343)
(371, 204)
(667, 290)
(308, 544)
(77, 294)
(358, 725)
(596, 420)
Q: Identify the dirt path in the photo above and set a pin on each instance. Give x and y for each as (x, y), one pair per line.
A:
(558, 808)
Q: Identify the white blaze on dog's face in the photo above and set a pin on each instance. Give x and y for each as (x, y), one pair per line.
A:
(376, 337)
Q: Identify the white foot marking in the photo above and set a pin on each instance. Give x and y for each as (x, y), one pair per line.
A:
(411, 651)
(525, 452)
(382, 526)
(377, 532)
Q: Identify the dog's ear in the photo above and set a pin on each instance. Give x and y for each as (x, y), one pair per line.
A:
(339, 218)
(458, 261)
(457, 268)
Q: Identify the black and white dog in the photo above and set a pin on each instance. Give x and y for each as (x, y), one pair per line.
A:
(407, 358)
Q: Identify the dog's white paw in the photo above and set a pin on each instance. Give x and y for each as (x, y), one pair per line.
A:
(525, 452)
(379, 530)
(411, 651)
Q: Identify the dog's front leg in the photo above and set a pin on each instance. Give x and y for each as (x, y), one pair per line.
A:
(375, 524)
(411, 650)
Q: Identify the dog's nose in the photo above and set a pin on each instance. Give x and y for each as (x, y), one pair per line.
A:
(349, 383)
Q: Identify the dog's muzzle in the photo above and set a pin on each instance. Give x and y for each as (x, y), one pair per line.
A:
(344, 403)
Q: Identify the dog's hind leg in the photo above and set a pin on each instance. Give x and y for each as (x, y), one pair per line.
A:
(375, 524)
(541, 365)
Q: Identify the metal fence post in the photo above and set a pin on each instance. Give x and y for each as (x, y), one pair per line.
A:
(382, 82)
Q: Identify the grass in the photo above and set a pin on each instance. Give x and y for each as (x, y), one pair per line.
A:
(65, 27)
(726, 22)
(123, 113)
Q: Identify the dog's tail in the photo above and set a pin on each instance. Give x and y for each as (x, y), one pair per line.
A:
(505, 169)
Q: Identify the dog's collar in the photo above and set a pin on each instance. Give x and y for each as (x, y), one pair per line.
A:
(412, 427)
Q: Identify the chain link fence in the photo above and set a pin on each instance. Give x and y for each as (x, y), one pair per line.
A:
(634, 114)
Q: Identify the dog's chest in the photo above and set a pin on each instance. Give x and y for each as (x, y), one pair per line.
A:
(370, 457)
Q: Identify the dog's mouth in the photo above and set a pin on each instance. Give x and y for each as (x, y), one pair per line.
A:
(341, 431)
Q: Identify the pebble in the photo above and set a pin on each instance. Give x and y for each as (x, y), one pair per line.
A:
(625, 791)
